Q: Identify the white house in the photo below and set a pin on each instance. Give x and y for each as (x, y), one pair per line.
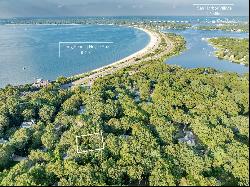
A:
(41, 83)
(2, 141)
(125, 136)
(189, 138)
(28, 124)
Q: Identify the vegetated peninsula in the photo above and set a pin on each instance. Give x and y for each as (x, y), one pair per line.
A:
(233, 27)
(150, 123)
(142, 21)
(233, 49)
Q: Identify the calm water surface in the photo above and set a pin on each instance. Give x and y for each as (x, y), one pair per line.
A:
(31, 52)
(200, 54)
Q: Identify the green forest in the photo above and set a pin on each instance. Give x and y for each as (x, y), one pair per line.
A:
(163, 125)
(232, 27)
(233, 49)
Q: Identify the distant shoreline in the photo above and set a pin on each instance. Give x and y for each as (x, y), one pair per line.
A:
(54, 24)
(223, 52)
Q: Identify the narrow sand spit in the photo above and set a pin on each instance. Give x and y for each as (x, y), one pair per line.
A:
(155, 40)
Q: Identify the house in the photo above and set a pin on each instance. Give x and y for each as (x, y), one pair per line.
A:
(65, 156)
(137, 97)
(188, 138)
(25, 93)
(205, 72)
(81, 111)
(117, 97)
(43, 149)
(151, 91)
(41, 83)
(125, 136)
(57, 127)
(28, 124)
(2, 141)
(18, 158)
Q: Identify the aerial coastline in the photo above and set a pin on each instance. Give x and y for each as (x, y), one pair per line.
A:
(141, 120)
(131, 59)
(86, 77)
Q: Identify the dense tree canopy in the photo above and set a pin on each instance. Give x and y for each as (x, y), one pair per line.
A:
(233, 49)
(142, 118)
(235, 27)
(148, 124)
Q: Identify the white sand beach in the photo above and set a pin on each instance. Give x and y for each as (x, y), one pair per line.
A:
(154, 42)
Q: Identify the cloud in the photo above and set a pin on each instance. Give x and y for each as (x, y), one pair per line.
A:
(28, 8)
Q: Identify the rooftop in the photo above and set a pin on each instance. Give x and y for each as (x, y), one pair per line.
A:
(188, 138)
(28, 124)
(18, 158)
(81, 111)
(41, 83)
(2, 141)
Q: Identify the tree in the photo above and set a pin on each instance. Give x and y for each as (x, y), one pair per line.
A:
(72, 105)
(20, 140)
(161, 176)
(50, 137)
(4, 124)
(6, 152)
(29, 114)
(47, 112)
(61, 80)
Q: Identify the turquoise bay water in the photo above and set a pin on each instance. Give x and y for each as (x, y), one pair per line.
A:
(28, 52)
(200, 54)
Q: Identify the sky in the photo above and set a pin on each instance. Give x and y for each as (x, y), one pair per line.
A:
(55, 8)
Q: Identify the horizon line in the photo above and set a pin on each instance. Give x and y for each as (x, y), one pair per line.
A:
(125, 16)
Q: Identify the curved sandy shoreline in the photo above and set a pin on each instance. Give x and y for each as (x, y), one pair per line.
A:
(153, 44)
(150, 45)
(138, 54)
(89, 77)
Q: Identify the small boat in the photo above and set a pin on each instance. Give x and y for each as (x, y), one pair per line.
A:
(24, 68)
